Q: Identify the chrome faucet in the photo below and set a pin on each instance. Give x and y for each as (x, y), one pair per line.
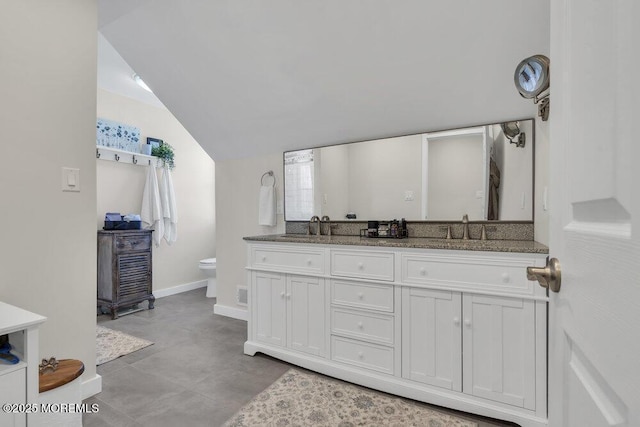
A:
(465, 227)
(315, 219)
(327, 220)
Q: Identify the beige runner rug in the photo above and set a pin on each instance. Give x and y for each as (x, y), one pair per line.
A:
(299, 398)
(112, 344)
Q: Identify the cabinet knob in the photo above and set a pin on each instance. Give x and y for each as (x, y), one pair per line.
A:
(288, 296)
(281, 294)
(360, 325)
(456, 321)
(360, 266)
(423, 272)
(264, 258)
(308, 262)
(467, 322)
(360, 295)
(506, 278)
(360, 355)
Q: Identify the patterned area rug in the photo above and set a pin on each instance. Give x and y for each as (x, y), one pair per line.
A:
(299, 398)
(112, 344)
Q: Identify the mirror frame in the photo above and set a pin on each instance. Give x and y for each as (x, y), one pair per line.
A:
(531, 141)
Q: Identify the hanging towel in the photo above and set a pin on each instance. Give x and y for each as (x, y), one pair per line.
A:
(267, 206)
(169, 210)
(151, 212)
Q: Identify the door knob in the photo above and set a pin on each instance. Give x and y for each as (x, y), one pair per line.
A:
(548, 276)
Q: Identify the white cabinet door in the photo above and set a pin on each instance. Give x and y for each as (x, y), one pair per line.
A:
(306, 319)
(13, 389)
(499, 349)
(431, 337)
(269, 308)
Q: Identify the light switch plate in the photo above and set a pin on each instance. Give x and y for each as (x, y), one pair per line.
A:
(408, 196)
(70, 179)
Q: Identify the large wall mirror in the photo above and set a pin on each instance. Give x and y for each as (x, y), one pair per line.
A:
(483, 171)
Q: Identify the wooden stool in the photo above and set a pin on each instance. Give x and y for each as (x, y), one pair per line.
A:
(67, 371)
(58, 388)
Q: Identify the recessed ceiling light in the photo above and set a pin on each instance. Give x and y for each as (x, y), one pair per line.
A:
(141, 83)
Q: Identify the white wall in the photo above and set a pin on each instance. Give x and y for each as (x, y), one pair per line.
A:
(237, 191)
(378, 178)
(48, 119)
(120, 188)
(516, 171)
(542, 153)
(455, 176)
(334, 181)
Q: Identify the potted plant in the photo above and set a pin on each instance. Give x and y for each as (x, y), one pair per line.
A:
(164, 152)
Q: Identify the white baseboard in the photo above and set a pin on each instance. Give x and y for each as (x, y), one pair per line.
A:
(236, 313)
(91, 387)
(161, 293)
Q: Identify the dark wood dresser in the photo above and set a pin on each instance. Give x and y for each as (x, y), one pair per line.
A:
(124, 269)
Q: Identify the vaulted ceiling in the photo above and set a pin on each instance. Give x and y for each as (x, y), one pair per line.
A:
(252, 77)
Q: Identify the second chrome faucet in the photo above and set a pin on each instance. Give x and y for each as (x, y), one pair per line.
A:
(318, 229)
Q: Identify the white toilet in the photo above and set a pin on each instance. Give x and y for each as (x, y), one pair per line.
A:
(208, 266)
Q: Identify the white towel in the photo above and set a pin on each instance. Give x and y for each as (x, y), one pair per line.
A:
(151, 212)
(169, 210)
(267, 206)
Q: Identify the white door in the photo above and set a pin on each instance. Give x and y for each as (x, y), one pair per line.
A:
(499, 337)
(269, 307)
(306, 299)
(431, 337)
(594, 321)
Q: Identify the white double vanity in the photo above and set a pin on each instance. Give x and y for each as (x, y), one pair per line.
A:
(452, 323)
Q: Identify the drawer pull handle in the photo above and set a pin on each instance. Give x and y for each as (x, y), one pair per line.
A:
(506, 278)
(360, 355)
(360, 266)
(456, 321)
(360, 295)
(423, 272)
(360, 325)
(467, 322)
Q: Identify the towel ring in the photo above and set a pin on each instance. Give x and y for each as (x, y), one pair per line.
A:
(269, 173)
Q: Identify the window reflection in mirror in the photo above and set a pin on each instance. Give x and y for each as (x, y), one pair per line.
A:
(437, 176)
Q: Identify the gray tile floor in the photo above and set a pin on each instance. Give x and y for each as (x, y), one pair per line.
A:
(194, 375)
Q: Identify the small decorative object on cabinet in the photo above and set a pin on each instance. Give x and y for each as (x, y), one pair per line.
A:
(124, 269)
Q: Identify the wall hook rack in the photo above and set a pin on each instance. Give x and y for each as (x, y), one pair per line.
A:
(121, 156)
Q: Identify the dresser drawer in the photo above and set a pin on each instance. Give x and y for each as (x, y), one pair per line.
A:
(363, 325)
(491, 274)
(371, 356)
(372, 296)
(137, 242)
(288, 259)
(364, 265)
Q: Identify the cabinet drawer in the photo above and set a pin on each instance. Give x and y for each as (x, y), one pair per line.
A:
(288, 259)
(372, 296)
(133, 243)
(363, 325)
(366, 355)
(492, 274)
(365, 265)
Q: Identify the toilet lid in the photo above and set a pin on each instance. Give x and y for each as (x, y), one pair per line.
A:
(208, 261)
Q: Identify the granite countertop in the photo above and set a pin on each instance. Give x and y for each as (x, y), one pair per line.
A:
(522, 246)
